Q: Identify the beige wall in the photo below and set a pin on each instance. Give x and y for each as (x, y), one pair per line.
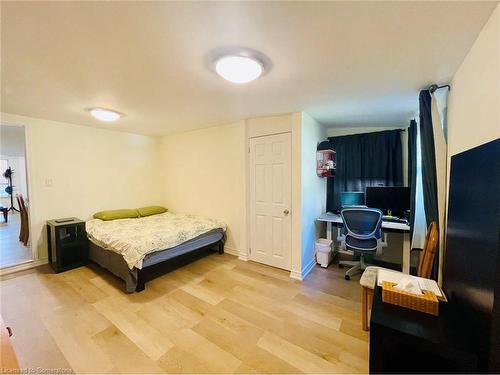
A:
(474, 101)
(88, 169)
(204, 173)
(201, 172)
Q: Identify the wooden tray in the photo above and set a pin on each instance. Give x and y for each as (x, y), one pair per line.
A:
(426, 303)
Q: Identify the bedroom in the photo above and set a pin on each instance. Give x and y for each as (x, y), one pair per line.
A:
(182, 142)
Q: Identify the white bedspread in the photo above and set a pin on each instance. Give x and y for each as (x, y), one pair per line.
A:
(134, 238)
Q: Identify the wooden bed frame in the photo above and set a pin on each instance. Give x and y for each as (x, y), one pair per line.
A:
(155, 270)
(119, 268)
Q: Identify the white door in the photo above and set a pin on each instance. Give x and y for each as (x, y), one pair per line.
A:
(270, 200)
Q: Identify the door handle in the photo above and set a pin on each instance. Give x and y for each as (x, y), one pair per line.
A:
(286, 212)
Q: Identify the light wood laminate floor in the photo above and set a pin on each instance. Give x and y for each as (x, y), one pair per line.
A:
(215, 315)
(12, 251)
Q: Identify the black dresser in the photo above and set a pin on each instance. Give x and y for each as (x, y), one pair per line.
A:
(408, 341)
(67, 243)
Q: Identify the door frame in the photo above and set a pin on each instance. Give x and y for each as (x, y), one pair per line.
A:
(34, 261)
(271, 125)
(247, 255)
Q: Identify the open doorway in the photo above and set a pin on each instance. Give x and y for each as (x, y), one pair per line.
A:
(15, 244)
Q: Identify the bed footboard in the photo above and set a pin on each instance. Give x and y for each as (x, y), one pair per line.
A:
(159, 269)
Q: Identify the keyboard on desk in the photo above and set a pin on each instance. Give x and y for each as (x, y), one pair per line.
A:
(393, 219)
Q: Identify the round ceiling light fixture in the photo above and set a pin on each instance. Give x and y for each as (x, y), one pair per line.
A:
(239, 68)
(104, 114)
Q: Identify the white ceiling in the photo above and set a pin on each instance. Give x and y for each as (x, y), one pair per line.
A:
(345, 63)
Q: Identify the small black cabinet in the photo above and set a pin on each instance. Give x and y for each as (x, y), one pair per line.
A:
(67, 244)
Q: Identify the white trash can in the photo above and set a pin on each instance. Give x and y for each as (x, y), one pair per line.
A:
(324, 252)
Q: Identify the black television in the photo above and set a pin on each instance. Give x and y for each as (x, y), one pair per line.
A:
(471, 270)
(390, 198)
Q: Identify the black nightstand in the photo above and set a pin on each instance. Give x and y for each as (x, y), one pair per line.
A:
(67, 243)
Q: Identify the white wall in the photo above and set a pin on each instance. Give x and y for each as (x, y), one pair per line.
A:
(341, 131)
(88, 169)
(204, 173)
(474, 99)
(313, 190)
(12, 140)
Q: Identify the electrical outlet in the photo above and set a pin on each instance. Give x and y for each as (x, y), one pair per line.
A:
(48, 182)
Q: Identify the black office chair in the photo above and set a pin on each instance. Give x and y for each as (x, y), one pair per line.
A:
(363, 236)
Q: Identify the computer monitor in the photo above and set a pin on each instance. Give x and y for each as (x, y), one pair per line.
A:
(352, 198)
(391, 198)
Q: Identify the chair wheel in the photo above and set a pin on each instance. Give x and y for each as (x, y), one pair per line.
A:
(341, 266)
(347, 277)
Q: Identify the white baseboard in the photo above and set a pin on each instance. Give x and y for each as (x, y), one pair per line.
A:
(240, 254)
(231, 251)
(308, 268)
(23, 266)
(244, 257)
(301, 275)
(297, 275)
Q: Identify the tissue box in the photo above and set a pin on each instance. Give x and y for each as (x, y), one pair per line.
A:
(426, 302)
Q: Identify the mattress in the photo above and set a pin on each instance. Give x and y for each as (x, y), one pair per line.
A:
(199, 242)
(135, 239)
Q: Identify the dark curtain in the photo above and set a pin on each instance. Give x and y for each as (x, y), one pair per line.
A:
(429, 180)
(370, 159)
(412, 170)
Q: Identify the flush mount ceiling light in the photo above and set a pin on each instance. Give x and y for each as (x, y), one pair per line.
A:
(104, 114)
(239, 68)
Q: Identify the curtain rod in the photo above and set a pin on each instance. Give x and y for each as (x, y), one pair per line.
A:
(435, 87)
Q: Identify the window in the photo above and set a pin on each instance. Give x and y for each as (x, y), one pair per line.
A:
(367, 159)
(420, 225)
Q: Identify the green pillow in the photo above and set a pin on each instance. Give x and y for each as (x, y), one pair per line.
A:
(124, 213)
(151, 210)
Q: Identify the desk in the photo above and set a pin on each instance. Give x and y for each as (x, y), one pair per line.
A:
(408, 341)
(336, 220)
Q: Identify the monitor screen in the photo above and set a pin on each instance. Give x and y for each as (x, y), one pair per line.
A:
(394, 198)
(352, 198)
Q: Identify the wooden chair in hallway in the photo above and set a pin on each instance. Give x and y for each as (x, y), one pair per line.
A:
(369, 277)
(24, 231)
(21, 234)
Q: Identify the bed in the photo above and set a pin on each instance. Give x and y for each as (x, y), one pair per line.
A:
(134, 248)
